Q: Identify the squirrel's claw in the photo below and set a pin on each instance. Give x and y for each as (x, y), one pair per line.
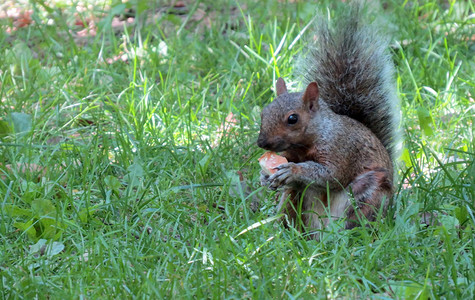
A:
(264, 178)
(283, 177)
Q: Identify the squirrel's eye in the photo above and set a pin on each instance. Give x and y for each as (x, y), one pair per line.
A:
(293, 118)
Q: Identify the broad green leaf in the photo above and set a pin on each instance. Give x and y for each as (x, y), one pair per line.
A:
(4, 128)
(425, 121)
(112, 183)
(461, 214)
(135, 169)
(410, 290)
(51, 228)
(43, 207)
(86, 213)
(21, 122)
(449, 222)
(27, 227)
(406, 158)
(15, 211)
(30, 191)
(54, 248)
(42, 247)
(36, 248)
(19, 50)
(135, 172)
(173, 19)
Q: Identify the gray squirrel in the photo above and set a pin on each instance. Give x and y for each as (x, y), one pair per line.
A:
(340, 134)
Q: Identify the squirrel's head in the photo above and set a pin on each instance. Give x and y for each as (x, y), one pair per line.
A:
(284, 121)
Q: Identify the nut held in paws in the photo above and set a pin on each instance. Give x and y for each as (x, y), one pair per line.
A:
(269, 160)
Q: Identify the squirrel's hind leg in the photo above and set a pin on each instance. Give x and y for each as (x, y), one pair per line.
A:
(370, 190)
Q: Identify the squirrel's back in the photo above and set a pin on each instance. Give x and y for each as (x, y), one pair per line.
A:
(354, 72)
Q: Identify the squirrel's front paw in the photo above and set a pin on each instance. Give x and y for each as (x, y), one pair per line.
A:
(286, 175)
(264, 178)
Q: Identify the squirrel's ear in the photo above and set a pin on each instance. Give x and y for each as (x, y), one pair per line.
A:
(280, 86)
(310, 97)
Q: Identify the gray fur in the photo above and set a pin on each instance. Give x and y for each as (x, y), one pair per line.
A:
(354, 71)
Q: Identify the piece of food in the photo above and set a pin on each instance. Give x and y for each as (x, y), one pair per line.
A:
(269, 160)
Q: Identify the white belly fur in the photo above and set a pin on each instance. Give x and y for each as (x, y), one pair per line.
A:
(317, 215)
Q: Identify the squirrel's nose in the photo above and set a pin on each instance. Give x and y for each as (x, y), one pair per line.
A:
(262, 142)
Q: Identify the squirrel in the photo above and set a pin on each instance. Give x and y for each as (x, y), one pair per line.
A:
(340, 134)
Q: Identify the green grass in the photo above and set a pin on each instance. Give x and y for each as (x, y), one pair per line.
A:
(118, 181)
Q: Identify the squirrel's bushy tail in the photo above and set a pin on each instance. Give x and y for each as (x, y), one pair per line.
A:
(354, 72)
